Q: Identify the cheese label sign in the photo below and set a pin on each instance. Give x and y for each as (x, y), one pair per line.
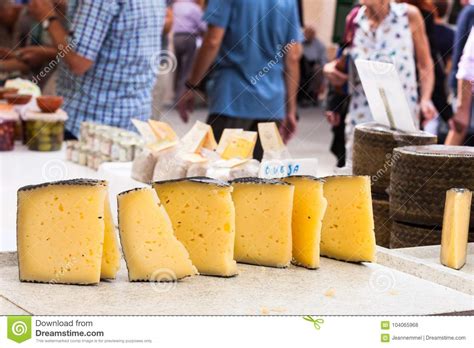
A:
(270, 169)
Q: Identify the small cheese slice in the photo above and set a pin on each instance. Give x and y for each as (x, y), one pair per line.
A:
(454, 236)
(240, 145)
(263, 221)
(199, 136)
(270, 137)
(309, 206)
(163, 131)
(111, 253)
(203, 217)
(150, 248)
(60, 231)
(348, 225)
(226, 137)
(145, 131)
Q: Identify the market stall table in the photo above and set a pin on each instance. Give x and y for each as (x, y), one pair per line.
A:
(336, 288)
(22, 167)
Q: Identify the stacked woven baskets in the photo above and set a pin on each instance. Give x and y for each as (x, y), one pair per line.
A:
(372, 156)
(420, 177)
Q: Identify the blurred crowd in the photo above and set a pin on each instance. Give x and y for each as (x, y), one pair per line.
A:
(248, 61)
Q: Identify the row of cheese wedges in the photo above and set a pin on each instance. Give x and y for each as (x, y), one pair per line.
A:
(184, 227)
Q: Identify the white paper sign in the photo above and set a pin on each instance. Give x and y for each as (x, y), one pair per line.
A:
(280, 168)
(384, 92)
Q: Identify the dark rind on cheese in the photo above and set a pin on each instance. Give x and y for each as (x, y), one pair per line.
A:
(326, 178)
(340, 259)
(437, 151)
(219, 276)
(256, 180)
(58, 282)
(73, 182)
(196, 179)
(308, 177)
(159, 281)
(132, 190)
(262, 265)
(299, 264)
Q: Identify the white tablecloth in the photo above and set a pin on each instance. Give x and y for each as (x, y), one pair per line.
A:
(22, 167)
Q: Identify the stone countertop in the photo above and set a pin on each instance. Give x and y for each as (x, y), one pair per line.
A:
(424, 262)
(337, 288)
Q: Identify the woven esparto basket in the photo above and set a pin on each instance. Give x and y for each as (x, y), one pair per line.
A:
(382, 220)
(372, 151)
(420, 178)
(407, 236)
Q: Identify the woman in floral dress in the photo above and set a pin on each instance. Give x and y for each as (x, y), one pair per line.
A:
(388, 32)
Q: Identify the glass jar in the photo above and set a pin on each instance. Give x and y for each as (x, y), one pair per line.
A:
(70, 145)
(115, 149)
(90, 159)
(82, 156)
(7, 135)
(19, 130)
(97, 138)
(75, 154)
(44, 135)
(84, 130)
(126, 150)
(106, 144)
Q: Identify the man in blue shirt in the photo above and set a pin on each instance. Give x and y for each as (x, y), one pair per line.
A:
(255, 47)
(108, 48)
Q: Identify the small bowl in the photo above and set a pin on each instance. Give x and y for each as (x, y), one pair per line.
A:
(17, 99)
(49, 103)
(5, 90)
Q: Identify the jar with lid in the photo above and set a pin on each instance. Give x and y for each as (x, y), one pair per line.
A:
(8, 121)
(126, 150)
(70, 145)
(82, 156)
(45, 131)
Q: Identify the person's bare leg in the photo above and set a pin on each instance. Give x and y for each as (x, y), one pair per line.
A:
(459, 124)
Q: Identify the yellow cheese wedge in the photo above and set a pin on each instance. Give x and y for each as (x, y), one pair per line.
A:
(270, 137)
(309, 206)
(163, 131)
(111, 253)
(60, 231)
(348, 225)
(226, 138)
(150, 248)
(454, 237)
(263, 221)
(203, 217)
(199, 136)
(240, 146)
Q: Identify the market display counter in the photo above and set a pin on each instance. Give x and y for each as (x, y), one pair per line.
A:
(337, 288)
(22, 167)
